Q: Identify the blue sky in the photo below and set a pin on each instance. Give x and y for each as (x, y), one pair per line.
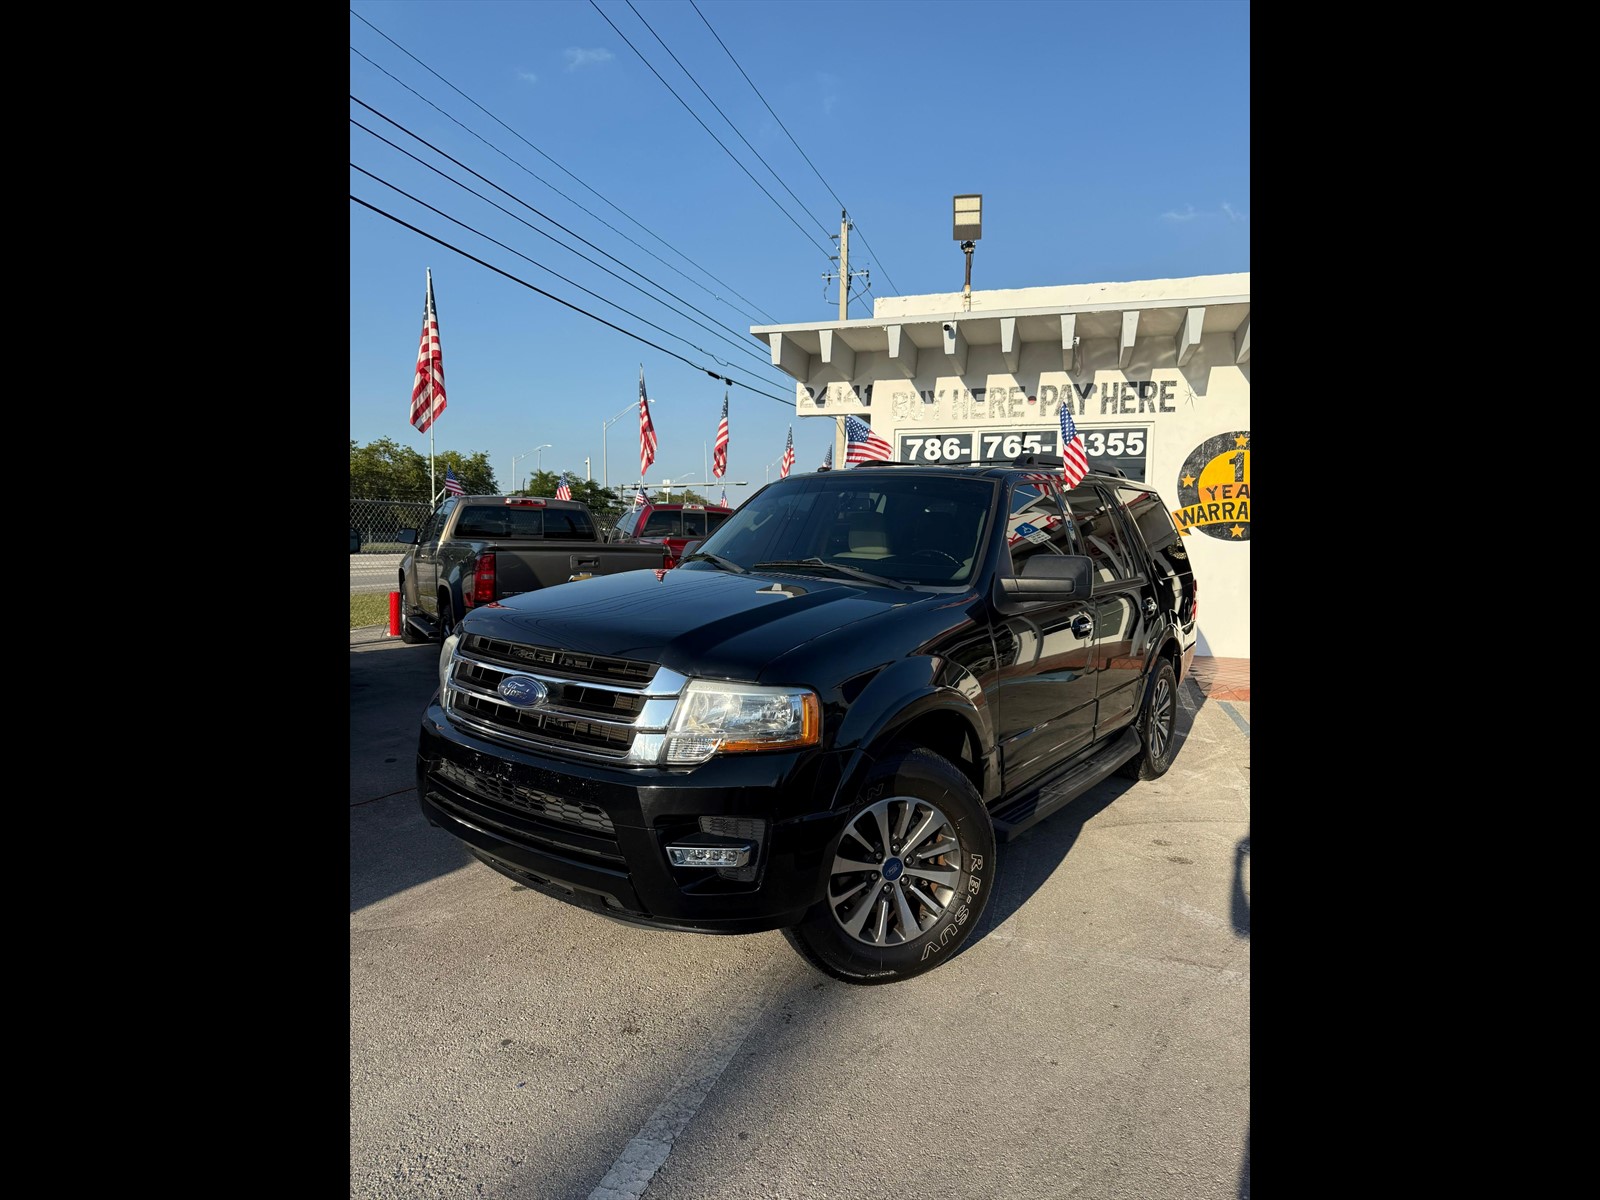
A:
(1110, 142)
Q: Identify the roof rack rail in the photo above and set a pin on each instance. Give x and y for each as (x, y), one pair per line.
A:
(1038, 460)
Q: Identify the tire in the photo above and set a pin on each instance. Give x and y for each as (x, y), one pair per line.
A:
(1157, 726)
(447, 616)
(902, 911)
(408, 632)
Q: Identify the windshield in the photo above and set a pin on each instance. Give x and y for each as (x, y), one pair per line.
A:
(919, 529)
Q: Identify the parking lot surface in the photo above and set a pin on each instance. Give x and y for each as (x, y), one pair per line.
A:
(1092, 1039)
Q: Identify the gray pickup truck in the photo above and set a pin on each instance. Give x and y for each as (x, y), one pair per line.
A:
(476, 550)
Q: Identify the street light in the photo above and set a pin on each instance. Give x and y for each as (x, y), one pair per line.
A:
(605, 470)
(520, 457)
(968, 228)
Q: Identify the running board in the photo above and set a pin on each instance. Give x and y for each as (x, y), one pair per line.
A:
(1014, 816)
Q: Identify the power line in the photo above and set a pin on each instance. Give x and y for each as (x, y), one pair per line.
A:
(533, 262)
(714, 137)
(789, 135)
(542, 233)
(568, 304)
(731, 125)
(757, 315)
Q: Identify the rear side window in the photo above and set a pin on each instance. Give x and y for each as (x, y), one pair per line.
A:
(1150, 517)
(1100, 534)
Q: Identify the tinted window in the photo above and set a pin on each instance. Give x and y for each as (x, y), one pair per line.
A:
(916, 528)
(1035, 524)
(1100, 534)
(1154, 523)
(661, 524)
(568, 524)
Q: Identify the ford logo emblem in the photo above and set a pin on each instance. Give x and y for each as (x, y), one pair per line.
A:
(524, 691)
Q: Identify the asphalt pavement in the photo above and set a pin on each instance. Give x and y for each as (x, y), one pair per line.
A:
(1091, 1040)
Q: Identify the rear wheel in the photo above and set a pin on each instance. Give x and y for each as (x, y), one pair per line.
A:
(909, 877)
(1157, 726)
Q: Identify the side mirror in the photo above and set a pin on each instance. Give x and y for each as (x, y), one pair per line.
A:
(406, 537)
(690, 547)
(355, 540)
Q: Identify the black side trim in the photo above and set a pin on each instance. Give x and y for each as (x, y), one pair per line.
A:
(1030, 807)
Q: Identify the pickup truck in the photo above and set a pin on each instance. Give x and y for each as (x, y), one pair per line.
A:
(825, 718)
(478, 550)
(673, 526)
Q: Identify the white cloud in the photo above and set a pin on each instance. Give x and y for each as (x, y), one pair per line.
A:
(1188, 214)
(585, 58)
(1233, 214)
(527, 77)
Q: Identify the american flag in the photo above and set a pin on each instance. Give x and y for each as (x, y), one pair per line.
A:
(827, 460)
(647, 429)
(452, 484)
(641, 498)
(1074, 459)
(427, 388)
(563, 492)
(788, 454)
(719, 452)
(724, 497)
(864, 445)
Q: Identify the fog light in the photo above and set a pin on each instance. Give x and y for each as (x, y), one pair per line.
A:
(710, 856)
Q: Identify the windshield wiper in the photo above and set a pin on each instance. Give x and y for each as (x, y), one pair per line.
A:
(727, 564)
(793, 564)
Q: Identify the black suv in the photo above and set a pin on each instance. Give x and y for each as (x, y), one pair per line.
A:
(825, 718)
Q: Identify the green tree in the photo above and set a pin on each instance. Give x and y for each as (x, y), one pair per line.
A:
(386, 470)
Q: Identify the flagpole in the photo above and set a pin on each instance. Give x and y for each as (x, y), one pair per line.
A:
(433, 478)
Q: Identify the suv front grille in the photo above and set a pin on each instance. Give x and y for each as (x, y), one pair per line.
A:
(595, 706)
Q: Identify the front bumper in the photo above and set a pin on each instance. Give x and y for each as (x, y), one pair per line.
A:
(596, 835)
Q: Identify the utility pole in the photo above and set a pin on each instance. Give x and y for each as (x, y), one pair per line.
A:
(844, 277)
(845, 274)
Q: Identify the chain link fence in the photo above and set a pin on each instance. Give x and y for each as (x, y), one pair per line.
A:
(375, 553)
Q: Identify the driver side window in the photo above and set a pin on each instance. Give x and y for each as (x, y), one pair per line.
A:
(1035, 524)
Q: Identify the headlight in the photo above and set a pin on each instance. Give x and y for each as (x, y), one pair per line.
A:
(730, 718)
(445, 651)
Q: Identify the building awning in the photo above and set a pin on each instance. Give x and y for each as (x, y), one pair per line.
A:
(901, 346)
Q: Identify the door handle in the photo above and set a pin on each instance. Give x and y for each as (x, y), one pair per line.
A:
(1149, 606)
(1082, 625)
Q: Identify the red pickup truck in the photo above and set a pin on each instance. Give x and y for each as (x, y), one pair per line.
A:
(671, 526)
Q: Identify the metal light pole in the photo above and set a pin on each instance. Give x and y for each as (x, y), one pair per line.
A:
(605, 470)
(520, 457)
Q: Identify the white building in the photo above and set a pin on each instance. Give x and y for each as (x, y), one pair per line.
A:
(1157, 373)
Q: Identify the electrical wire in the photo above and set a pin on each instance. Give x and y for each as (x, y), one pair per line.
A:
(731, 125)
(732, 341)
(568, 304)
(713, 136)
(536, 263)
(757, 315)
(787, 134)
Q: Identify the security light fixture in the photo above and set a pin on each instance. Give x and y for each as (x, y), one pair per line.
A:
(968, 228)
(968, 218)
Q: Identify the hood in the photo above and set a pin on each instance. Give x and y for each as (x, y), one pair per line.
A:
(698, 622)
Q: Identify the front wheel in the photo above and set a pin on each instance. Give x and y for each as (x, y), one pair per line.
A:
(1157, 727)
(909, 877)
(408, 632)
